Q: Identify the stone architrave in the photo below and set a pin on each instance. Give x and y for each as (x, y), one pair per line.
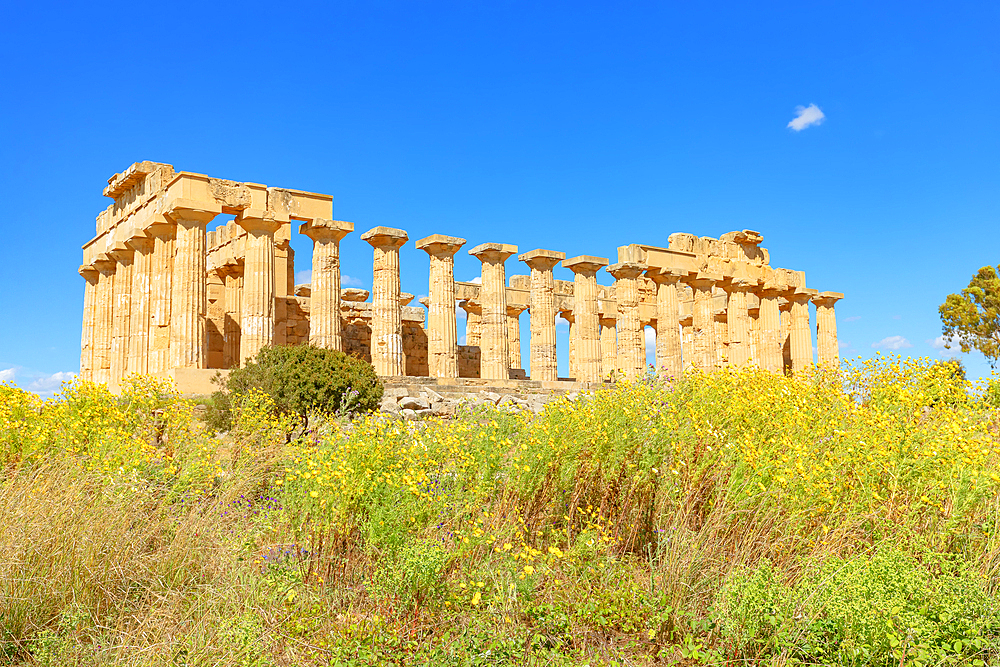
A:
(233, 273)
(587, 324)
(769, 341)
(543, 313)
(103, 317)
(826, 329)
(669, 357)
(189, 288)
(160, 293)
(257, 305)
(324, 302)
(609, 347)
(514, 333)
(494, 346)
(142, 270)
(703, 314)
(91, 276)
(473, 321)
(442, 324)
(800, 334)
(387, 324)
(124, 257)
(631, 347)
(738, 321)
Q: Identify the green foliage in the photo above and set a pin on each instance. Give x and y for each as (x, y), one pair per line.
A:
(301, 380)
(972, 318)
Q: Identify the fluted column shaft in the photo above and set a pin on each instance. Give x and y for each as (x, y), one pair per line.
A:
(543, 362)
(104, 318)
(739, 325)
(609, 347)
(826, 329)
(754, 314)
(442, 324)
(770, 331)
(189, 289)
(231, 328)
(703, 314)
(124, 258)
(387, 330)
(669, 357)
(257, 303)
(687, 342)
(494, 346)
(142, 268)
(514, 334)
(800, 334)
(91, 277)
(571, 341)
(785, 308)
(473, 322)
(161, 289)
(631, 349)
(586, 313)
(324, 302)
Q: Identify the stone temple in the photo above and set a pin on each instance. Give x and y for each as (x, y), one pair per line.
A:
(165, 296)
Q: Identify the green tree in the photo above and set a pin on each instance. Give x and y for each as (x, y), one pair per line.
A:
(972, 319)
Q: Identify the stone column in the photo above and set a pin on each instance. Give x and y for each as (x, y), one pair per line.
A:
(189, 295)
(785, 308)
(233, 272)
(90, 276)
(721, 321)
(754, 314)
(123, 256)
(669, 359)
(631, 347)
(324, 302)
(687, 341)
(494, 348)
(514, 334)
(543, 313)
(442, 325)
(571, 341)
(801, 335)
(738, 321)
(473, 321)
(142, 270)
(826, 329)
(609, 347)
(387, 323)
(160, 290)
(104, 317)
(703, 316)
(587, 325)
(769, 343)
(257, 304)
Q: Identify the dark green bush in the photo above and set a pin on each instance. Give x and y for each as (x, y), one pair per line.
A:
(302, 380)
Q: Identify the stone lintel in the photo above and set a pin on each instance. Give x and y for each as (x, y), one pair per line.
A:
(502, 251)
(584, 263)
(542, 258)
(319, 228)
(380, 237)
(353, 294)
(439, 244)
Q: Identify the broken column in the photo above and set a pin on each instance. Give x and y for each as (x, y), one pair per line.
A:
(189, 296)
(668, 329)
(324, 302)
(91, 276)
(800, 334)
(826, 329)
(442, 325)
(543, 313)
(703, 316)
(387, 323)
(514, 334)
(494, 348)
(631, 360)
(142, 270)
(587, 326)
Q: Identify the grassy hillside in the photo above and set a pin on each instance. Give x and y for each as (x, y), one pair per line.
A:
(737, 518)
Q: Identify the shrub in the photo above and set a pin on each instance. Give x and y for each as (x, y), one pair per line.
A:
(301, 380)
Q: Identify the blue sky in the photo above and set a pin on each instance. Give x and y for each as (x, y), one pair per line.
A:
(572, 126)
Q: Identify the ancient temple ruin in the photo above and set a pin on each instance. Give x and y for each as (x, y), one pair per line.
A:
(164, 296)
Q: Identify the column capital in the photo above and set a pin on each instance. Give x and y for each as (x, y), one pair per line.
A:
(439, 245)
(493, 252)
(385, 237)
(665, 276)
(703, 279)
(141, 243)
(191, 210)
(827, 298)
(471, 306)
(516, 309)
(405, 298)
(319, 229)
(802, 295)
(121, 253)
(585, 264)
(626, 270)
(88, 272)
(541, 259)
(259, 220)
(104, 263)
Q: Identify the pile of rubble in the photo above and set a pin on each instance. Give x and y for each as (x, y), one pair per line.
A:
(414, 402)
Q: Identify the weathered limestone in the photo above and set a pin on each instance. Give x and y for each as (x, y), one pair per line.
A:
(442, 325)
(103, 318)
(567, 315)
(631, 360)
(801, 337)
(826, 329)
(160, 292)
(543, 313)
(257, 316)
(785, 308)
(703, 314)
(188, 298)
(770, 340)
(324, 313)
(387, 334)
(495, 350)
(234, 308)
(669, 357)
(514, 333)
(609, 347)
(139, 321)
(687, 341)
(754, 314)
(587, 325)
(738, 321)
(123, 256)
(90, 274)
(473, 321)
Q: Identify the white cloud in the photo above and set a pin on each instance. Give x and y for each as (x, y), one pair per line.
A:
(892, 343)
(806, 117)
(941, 345)
(302, 277)
(478, 280)
(47, 385)
(8, 374)
(852, 318)
(348, 281)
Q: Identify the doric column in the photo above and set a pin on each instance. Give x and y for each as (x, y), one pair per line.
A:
(631, 348)
(785, 308)
(769, 342)
(123, 256)
(233, 275)
(669, 359)
(721, 322)
(324, 302)
(494, 348)
(754, 314)
(142, 269)
(514, 334)
(473, 321)
(587, 326)
(387, 323)
(801, 334)
(442, 325)
(738, 321)
(826, 329)
(160, 292)
(90, 276)
(189, 295)
(543, 313)
(103, 317)
(609, 347)
(571, 344)
(687, 341)
(703, 316)
(257, 307)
